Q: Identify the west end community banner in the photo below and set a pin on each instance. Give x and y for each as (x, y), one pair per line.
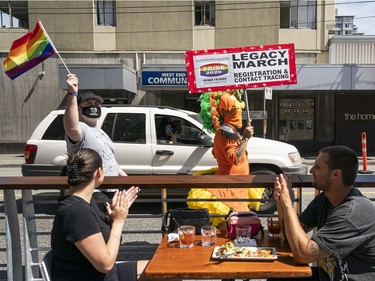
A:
(240, 68)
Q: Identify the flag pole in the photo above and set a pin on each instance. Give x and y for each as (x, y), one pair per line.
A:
(53, 46)
(63, 62)
(247, 106)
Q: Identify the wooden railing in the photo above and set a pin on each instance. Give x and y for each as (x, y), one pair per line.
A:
(164, 183)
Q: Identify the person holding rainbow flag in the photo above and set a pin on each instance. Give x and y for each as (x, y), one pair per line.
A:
(221, 113)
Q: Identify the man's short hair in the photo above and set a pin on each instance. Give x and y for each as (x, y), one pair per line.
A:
(345, 159)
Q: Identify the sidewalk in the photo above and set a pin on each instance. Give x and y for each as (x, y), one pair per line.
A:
(11, 160)
(310, 160)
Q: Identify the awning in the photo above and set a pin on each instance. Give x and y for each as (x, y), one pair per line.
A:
(101, 77)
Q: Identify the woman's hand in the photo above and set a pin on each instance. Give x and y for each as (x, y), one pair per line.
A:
(118, 211)
(131, 194)
(121, 202)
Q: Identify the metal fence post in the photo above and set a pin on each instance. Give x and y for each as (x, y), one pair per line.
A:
(13, 241)
(30, 236)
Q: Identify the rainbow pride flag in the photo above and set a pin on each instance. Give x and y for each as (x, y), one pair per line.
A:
(28, 51)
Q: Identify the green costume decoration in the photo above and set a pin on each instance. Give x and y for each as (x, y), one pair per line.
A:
(209, 102)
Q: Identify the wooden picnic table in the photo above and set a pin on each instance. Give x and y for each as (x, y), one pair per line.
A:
(173, 263)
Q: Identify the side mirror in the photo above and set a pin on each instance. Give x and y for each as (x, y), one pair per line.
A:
(205, 140)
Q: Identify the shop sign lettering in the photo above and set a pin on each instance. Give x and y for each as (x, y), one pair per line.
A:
(359, 116)
(164, 78)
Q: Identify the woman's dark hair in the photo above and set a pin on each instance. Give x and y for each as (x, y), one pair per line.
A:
(82, 165)
(161, 134)
(343, 158)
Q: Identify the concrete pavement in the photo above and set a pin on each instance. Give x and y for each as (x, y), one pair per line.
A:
(11, 160)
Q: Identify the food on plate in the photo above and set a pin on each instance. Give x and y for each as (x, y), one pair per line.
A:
(230, 250)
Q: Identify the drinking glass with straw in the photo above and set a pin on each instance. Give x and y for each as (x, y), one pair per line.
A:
(186, 234)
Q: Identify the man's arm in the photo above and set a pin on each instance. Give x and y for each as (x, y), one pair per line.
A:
(280, 211)
(247, 134)
(71, 115)
(305, 250)
(241, 149)
(120, 171)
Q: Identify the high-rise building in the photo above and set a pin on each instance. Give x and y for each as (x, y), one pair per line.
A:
(344, 25)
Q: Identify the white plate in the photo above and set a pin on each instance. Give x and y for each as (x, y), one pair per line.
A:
(271, 257)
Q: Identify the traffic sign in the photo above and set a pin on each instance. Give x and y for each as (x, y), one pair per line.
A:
(267, 93)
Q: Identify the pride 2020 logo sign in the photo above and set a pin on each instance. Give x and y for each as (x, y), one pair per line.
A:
(213, 69)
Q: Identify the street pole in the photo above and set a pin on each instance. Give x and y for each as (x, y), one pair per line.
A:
(264, 114)
(247, 106)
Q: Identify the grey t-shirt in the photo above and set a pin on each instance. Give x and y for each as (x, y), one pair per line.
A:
(96, 139)
(347, 232)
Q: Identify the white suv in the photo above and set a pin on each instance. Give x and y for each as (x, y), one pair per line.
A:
(134, 129)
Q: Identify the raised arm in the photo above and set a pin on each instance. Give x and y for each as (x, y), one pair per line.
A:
(71, 116)
(305, 250)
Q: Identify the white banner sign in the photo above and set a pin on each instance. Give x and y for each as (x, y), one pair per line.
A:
(239, 68)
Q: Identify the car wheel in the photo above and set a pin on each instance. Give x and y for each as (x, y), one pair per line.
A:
(268, 207)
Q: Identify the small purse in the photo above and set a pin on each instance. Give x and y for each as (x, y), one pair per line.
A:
(185, 216)
(242, 218)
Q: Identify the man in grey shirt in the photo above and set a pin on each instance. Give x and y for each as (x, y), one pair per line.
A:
(344, 243)
(80, 119)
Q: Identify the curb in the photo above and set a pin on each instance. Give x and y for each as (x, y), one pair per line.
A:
(10, 165)
(310, 161)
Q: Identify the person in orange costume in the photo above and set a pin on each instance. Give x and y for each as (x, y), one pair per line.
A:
(225, 115)
(230, 149)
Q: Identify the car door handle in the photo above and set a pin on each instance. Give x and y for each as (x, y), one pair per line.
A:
(164, 152)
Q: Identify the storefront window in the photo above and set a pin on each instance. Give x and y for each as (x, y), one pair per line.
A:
(296, 119)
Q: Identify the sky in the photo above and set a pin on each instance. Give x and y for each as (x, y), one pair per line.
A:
(363, 12)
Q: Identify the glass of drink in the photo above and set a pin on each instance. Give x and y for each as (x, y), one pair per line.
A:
(273, 226)
(186, 234)
(208, 234)
(243, 235)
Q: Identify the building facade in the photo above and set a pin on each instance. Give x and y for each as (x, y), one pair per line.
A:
(134, 52)
(345, 26)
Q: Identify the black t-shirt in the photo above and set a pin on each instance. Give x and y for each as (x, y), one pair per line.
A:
(347, 232)
(75, 220)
